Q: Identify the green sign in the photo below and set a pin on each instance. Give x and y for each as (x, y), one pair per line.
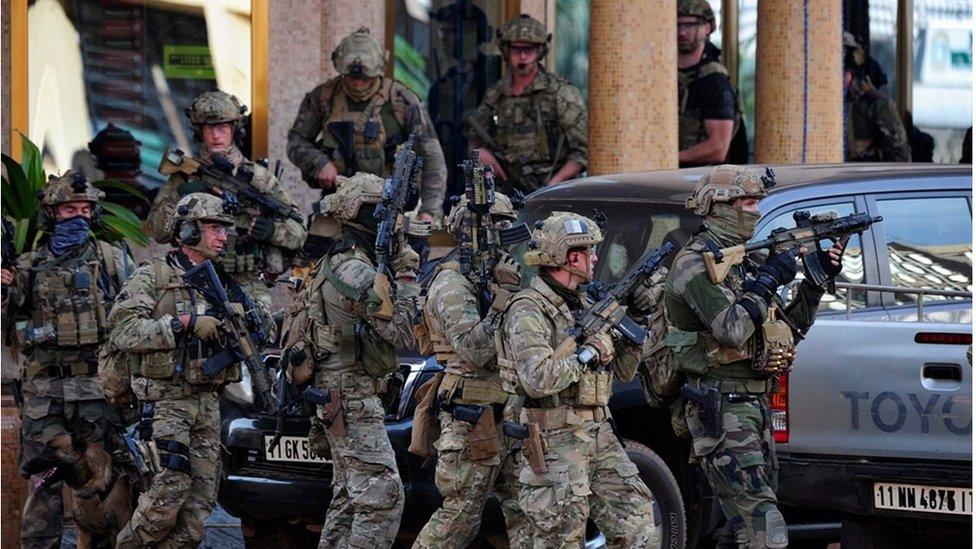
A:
(193, 62)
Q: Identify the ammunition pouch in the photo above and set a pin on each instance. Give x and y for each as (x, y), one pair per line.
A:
(377, 355)
(593, 388)
(470, 390)
(549, 419)
(173, 455)
(778, 350)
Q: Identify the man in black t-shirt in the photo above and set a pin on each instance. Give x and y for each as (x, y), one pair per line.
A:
(710, 129)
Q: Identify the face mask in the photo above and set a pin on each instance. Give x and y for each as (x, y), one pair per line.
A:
(69, 234)
(363, 94)
(732, 223)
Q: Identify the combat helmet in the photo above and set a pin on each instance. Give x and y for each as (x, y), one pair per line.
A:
(216, 107)
(557, 234)
(726, 183)
(71, 186)
(184, 226)
(460, 214)
(854, 56)
(352, 193)
(697, 8)
(524, 28)
(359, 54)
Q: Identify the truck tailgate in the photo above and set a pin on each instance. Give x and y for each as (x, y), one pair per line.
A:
(867, 389)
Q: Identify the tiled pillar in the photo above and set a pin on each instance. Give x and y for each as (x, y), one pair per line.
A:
(633, 86)
(799, 97)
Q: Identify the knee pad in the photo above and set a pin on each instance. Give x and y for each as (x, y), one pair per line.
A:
(173, 455)
(776, 536)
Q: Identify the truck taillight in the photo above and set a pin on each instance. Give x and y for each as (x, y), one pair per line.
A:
(779, 409)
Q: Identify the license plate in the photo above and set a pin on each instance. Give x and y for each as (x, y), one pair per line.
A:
(925, 499)
(290, 449)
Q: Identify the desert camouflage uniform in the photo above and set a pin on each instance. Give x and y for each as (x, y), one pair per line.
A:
(465, 344)
(529, 128)
(367, 493)
(186, 416)
(62, 394)
(875, 132)
(588, 474)
(244, 258)
(714, 331)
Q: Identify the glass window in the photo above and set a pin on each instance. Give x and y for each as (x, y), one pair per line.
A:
(853, 262)
(130, 68)
(929, 242)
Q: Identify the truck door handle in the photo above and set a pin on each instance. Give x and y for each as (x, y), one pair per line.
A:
(948, 372)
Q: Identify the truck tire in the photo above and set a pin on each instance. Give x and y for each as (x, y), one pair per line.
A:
(863, 533)
(667, 494)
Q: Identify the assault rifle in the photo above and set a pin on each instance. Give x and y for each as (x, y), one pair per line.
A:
(480, 248)
(514, 180)
(219, 178)
(810, 229)
(608, 310)
(243, 334)
(397, 191)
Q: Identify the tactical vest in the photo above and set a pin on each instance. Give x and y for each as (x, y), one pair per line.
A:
(376, 129)
(185, 363)
(696, 351)
(527, 131)
(67, 310)
(351, 355)
(691, 125)
(463, 382)
(593, 389)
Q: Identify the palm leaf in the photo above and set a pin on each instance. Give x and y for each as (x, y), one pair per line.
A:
(120, 186)
(119, 228)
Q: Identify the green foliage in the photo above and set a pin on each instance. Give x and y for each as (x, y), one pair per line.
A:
(410, 67)
(24, 180)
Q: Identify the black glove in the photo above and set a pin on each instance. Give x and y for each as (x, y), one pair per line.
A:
(779, 269)
(263, 229)
(191, 186)
(829, 268)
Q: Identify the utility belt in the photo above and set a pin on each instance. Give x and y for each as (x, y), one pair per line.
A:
(564, 416)
(66, 363)
(458, 389)
(739, 386)
(354, 386)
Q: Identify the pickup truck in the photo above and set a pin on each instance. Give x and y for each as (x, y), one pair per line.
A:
(873, 426)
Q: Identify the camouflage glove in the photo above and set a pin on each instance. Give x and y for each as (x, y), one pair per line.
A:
(406, 263)
(206, 327)
(647, 297)
(602, 343)
(507, 271)
(262, 230)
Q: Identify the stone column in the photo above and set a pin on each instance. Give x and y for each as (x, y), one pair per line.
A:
(799, 95)
(633, 86)
(343, 17)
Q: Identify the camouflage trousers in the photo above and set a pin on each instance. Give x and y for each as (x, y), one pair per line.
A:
(741, 468)
(367, 494)
(466, 484)
(589, 476)
(172, 512)
(43, 419)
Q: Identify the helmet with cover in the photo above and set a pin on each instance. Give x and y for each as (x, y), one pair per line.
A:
(352, 193)
(186, 223)
(460, 215)
(71, 186)
(359, 54)
(697, 8)
(524, 28)
(559, 233)
(216, 107)
(727, 183)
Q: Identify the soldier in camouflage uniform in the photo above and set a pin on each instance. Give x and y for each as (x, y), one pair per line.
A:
(726, 336)
(349, 351)
(587, 473)
(531, 128)
(56, 302)
(472, 459)
(875, 132)
(166, 323)
(360, 117)
(257, 243)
